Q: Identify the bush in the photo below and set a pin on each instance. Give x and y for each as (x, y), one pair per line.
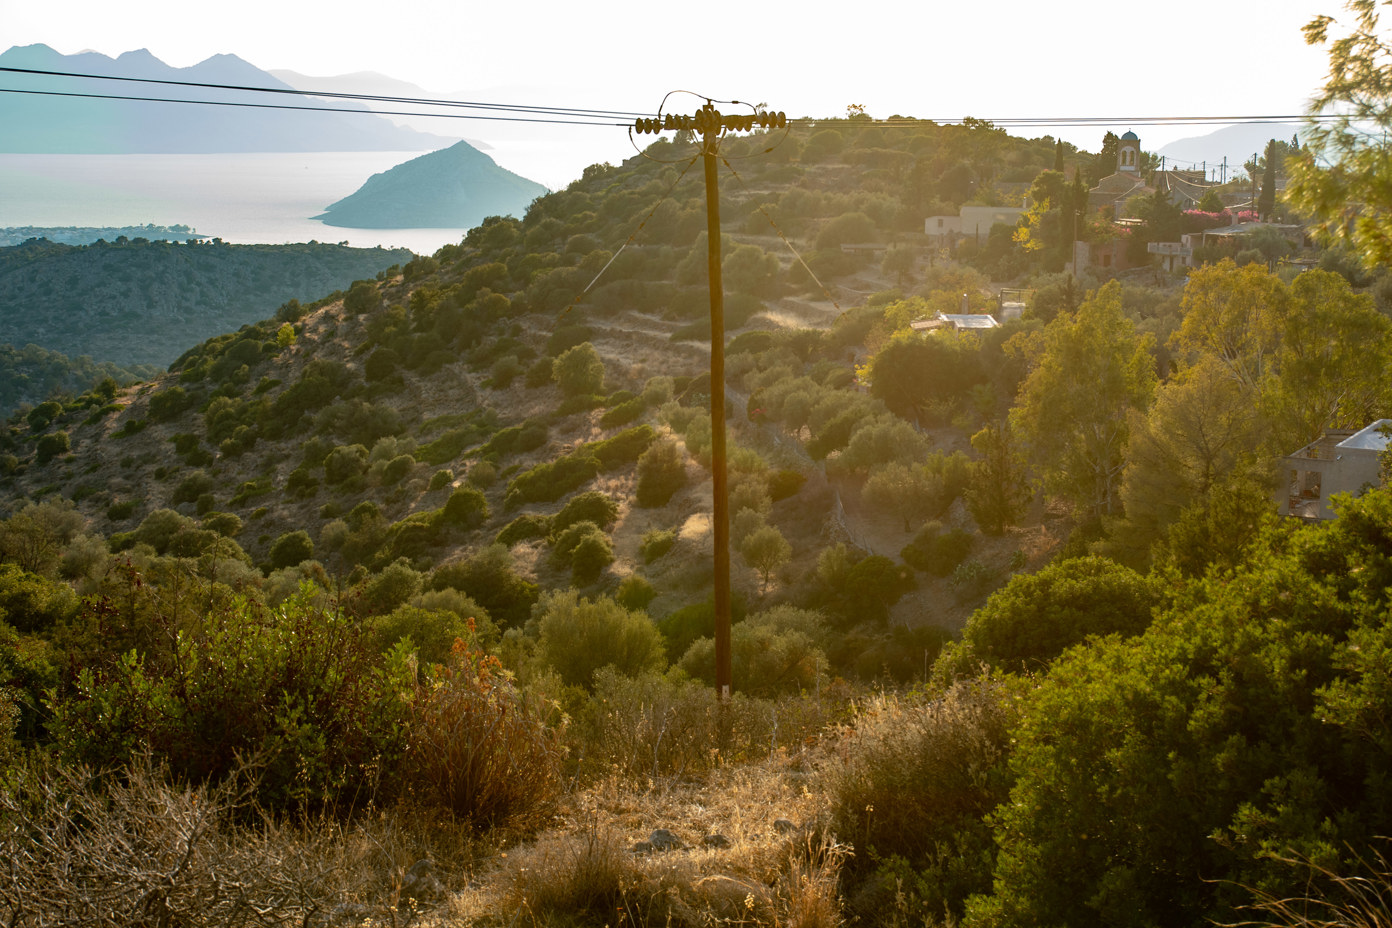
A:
(397, 469)
(593, 507)
(476, 746)
(657, 543)
(51, 445)
(292, 686)
(579, 371)
(578, 638)
(192, 487)
(466, 507)
(1035, 617)
(291, 548)
(432, 632)
(635, 593)
(589, 558)
(773, 652)
(522, 528)
(623, 448)
(344, 462)
(441, 479)
(551, 480)
(661, 473)
(489, 579)
(937, 552)
(913, 786)
(623, 413)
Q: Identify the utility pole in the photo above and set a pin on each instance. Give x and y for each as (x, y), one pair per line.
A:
(712, 125)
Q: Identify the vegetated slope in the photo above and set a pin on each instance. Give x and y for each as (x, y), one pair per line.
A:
(455, 188)
(357, 420)
(1102, 746)
(31, 374)
(144, 302)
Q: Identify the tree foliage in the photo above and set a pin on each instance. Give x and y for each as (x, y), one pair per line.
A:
(1091, 370)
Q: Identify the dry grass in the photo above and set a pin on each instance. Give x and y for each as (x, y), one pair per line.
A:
(1362, 899)
(587, 871)
(91, 851)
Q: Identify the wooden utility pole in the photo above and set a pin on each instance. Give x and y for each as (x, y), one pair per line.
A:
(712, 125)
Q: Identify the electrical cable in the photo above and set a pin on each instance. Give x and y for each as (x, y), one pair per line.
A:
(418, 101)
(314, 109)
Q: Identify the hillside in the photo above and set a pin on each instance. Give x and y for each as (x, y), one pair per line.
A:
(30, 375)
(400, 601)
(81, 124)
(142, 302)
(455, 188)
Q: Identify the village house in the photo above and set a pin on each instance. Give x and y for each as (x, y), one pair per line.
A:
(1339, 461)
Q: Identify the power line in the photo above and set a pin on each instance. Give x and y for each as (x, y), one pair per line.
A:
(587, 116)
(311, 109)
(417, 101)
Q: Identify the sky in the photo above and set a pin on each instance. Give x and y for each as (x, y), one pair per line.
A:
(992, 59)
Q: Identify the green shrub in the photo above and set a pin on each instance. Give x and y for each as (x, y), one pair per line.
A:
(785, 483)
(623, 413)
(540, 374)
(488, 577)
(593, 506)
(441, 479)
(522, 528)
(344, 462)
(51, 445)
(293, 687)
(635, 593)
(1035, 617)
(466, 507)
(773, 652)
(226, 524)
(482, 474)
(624, 448)
(579, 371)
(192, 487)
(937, 552)
(397, 469)
(589, 558)
(121, 511)
(551, 480)
(656, 543)
(661, 473)
(578, 638)
(291, 549)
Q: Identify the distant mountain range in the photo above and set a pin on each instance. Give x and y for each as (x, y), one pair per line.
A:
(454, 188)
(1236, 143)
(62, 115)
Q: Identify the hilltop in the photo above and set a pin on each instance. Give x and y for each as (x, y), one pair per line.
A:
(457, 187)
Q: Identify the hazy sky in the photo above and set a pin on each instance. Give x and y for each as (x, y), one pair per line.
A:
(992, 59)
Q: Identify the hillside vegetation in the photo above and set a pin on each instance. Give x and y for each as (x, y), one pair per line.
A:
(397, 604)
(134, 301)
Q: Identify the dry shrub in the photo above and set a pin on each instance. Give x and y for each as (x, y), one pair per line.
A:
(1360, 899)
(568, 878)
(86, 851)
(910, 787)
(479, 747)
(653, 727)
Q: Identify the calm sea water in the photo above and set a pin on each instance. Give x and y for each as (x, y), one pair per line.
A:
(241, 198)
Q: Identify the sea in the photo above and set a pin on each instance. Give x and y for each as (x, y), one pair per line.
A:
(244, 199)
